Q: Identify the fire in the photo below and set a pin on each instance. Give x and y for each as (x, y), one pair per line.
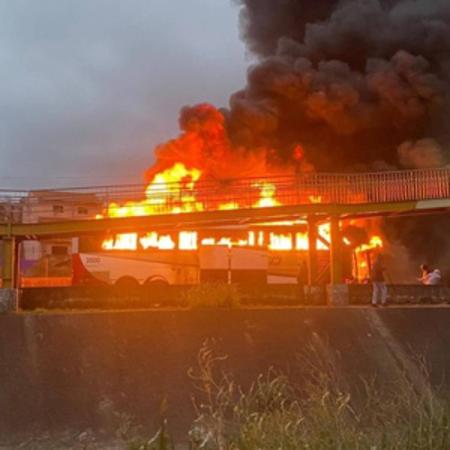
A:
(124, 241)
(362, 257)
(280, 242)
(153, 240)
(267, 195)
(174, 190)
(374, 243)
(170, 190)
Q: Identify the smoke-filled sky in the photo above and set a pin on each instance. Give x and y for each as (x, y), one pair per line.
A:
(89, 87)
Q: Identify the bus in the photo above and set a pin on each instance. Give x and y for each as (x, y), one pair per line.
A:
(237, 256)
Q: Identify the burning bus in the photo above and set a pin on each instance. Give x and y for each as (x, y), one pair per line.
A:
(258, 253)
(267, 254)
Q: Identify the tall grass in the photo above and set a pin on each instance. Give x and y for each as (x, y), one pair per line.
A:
(276, 414)
(213, 295)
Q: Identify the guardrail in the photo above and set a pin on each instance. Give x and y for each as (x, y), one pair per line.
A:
(104, 297)
(211, 195)
(360, 294)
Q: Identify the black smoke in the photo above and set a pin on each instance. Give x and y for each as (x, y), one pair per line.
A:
(358, 84)
(350, 81)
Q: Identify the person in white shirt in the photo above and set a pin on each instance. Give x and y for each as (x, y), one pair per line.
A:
(430, 277)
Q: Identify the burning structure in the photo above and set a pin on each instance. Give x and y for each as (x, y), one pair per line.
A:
(337, 86)
(345, 86)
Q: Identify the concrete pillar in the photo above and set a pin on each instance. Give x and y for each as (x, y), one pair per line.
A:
(9, 300)
(312, 251)
(9, 262)
(338, 292)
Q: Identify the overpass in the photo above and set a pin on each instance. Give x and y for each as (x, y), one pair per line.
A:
(185, 205)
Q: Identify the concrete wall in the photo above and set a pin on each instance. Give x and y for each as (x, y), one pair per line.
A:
(78, 371)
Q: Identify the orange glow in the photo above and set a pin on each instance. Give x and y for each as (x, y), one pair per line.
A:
(153, 240)
(315, 199)
(173, 190)
(124, 241)
(324, 231)
(301, 241)
(169, 190)
(187, 240)
(374, 243)
(361, 254)
(280, 241)
(267, 195)
(228, 206)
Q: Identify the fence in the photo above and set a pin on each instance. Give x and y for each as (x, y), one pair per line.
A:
(208, 195)
(402, 294)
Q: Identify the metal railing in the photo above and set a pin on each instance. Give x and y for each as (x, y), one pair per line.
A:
(211, 195)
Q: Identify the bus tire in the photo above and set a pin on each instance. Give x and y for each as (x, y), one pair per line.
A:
(126, 287)
(156, 281)
(156, 291)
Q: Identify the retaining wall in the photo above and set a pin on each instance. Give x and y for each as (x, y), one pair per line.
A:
(85, 370)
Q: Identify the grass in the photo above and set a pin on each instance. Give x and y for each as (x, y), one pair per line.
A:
(317, 412)
(276, 414)
(213, 295)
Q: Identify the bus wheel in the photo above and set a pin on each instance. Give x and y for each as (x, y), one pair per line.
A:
(157, 292)
(127, 287)
(156, 282)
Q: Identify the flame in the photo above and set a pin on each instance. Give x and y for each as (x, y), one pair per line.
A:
(173, 190)
(267, 195)
(153, 240)
(228, 206)
(187, 240)
(315, 198)
(280, 241)
(362, 258)
(124, 241)
(374, 243)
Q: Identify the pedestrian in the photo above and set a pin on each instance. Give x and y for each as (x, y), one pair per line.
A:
(302, 280)
(430, 277)
(379, 293)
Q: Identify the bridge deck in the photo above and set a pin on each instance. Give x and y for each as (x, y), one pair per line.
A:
(246, 200)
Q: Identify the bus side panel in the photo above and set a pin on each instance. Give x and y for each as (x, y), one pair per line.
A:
(95, 268)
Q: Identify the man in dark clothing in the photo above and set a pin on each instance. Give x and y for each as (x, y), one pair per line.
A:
(379, 293)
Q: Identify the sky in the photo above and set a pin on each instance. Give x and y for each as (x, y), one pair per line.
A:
(89, 87)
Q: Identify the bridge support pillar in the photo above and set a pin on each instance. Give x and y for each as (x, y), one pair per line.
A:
(312, 251)
(8, 293)
(335, 251)
(337, 291)
(9, 262)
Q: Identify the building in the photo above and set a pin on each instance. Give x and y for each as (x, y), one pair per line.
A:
(50, 206)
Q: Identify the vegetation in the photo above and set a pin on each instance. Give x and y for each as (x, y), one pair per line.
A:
(213, 295)
(276, 414)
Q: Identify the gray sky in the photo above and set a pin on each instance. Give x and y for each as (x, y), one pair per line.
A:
(88, 87)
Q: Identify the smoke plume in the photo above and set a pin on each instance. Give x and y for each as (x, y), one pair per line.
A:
(423, 154)
(350, 88)
(355, 84)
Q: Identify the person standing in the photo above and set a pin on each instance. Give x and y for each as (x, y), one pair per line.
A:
(379, 293)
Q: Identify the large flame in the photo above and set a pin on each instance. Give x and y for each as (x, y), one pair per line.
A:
(173, 190)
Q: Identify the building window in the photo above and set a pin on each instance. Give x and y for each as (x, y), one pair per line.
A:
(58, 209)
(59, 250)
(82, 211)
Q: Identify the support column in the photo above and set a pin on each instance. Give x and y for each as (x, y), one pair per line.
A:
(9, 295)
(312, 251)
(338, 293)
(9, 262)
(335, 252)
